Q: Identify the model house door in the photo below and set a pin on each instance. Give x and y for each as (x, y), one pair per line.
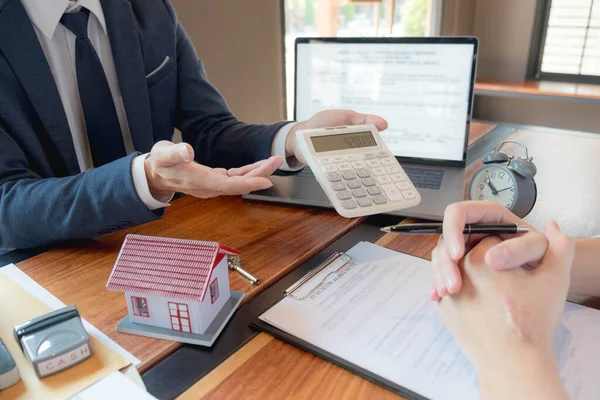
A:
(180, 317)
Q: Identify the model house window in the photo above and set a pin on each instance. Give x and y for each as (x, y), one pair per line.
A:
(567, 45)
(180, 317)
(214, 291)
(354, 18)
(140, 306)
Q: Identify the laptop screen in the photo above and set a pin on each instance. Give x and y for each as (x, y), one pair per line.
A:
(423, 87)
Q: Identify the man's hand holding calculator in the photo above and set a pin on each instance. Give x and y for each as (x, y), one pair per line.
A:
(356, 170)
(326, 119)
(171, 167)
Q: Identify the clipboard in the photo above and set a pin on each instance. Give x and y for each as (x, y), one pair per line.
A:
(343, 259)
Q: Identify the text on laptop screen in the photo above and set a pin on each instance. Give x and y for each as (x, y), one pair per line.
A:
(422, 90)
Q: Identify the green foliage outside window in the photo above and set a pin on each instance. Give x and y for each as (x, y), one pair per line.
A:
(310, 12)
(349, 12)
(414, 15)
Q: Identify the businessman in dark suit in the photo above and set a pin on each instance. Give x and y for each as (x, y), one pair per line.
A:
(90, 94)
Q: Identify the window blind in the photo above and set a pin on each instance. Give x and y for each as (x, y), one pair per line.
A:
(572, 44)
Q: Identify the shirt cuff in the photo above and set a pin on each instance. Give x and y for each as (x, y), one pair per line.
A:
(278, 149)
(140, 182)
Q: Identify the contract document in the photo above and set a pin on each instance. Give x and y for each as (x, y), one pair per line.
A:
(374, 314)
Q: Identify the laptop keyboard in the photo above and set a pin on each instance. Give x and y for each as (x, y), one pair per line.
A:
(422, 178)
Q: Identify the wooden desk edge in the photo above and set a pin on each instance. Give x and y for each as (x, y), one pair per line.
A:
(226, 368)
(534, 90)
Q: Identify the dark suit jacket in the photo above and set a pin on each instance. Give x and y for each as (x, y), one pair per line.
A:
(43, 196)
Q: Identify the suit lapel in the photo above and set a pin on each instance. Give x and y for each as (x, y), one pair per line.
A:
(22, 49)
(129, 63)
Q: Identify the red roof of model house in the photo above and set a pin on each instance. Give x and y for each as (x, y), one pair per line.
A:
(166, 267)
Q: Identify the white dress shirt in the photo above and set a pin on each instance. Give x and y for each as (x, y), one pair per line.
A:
(58, 44)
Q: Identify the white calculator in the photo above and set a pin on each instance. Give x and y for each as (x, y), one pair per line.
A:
(356, 170)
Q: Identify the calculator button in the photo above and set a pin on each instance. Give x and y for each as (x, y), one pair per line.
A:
(369, 182)
(344, 166)
(359, 164)
(369, 156)
(384, 179)
(349, 175)
(351, 157)
(363, 173)
(409, 194)
(388, 161)
(382, 154)
(325, 161)
(392, 169)
(359, 192)
(393, 193)
(403, 185)
(338, 159)
(379, 199)
(337, 186)
(349, 204)
(365, 202)
(378, 171)
(345, 195)
(353, 184)
(373, 163)
(334, 177)
(374, 190)
(329, 168)
(398, 177)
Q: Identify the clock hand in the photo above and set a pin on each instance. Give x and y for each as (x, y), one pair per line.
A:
(510, 187)
(491, 185)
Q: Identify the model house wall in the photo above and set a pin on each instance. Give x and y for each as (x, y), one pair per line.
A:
(208, 309)
(158, 310)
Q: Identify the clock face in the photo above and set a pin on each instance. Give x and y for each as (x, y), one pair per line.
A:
(494, 183)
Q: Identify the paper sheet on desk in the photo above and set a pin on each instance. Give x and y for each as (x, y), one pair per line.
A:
(114, 386)
(20, 277)
(59, 386)
(108, 386)
(377, 315)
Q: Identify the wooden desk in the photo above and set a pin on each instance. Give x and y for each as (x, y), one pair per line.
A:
(569, 171)
(541, 90)
(272, 239)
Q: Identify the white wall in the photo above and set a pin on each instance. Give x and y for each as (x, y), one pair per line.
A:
(504, 29)
(158, 308)
(211, 310)
(241, 45)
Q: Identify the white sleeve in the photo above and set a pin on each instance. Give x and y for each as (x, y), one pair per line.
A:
(140, 181)
(278, 149)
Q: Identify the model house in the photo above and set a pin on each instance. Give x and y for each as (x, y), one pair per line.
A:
(173, 284)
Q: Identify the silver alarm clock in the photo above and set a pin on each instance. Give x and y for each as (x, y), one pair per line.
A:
(506, 180)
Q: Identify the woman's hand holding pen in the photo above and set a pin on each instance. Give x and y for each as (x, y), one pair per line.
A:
(524, 250)
(502, 316)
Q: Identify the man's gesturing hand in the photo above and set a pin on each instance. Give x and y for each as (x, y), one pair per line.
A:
(171, 168)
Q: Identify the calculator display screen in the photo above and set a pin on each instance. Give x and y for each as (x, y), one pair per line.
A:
(346, 141)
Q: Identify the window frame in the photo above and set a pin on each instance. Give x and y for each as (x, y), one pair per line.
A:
(214, 283)
(179, 308)
(137, 309)
(534, 69)
(436, 16)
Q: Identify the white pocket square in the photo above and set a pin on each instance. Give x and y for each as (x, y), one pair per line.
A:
(161, 66)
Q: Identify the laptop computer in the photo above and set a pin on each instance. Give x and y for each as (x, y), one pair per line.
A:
(424, 88)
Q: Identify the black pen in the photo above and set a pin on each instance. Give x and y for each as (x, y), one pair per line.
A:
(436, 229)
